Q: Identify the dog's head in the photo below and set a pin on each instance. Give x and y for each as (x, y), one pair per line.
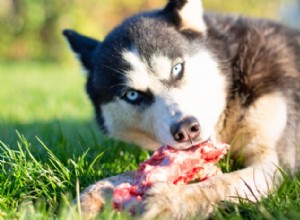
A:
(156, 79)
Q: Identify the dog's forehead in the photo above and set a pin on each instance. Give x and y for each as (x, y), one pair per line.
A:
(140, 43)
(142, 49)
(143, 73)
(149, 35)
(153, 36)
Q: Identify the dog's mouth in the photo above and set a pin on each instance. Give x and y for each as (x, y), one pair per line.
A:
(190, 144)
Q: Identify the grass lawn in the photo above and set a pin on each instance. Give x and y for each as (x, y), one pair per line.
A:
(49, 144)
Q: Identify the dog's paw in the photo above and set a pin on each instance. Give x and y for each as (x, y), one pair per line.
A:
(168, 201)
(91, 203)
(92, 200)
(160, 201)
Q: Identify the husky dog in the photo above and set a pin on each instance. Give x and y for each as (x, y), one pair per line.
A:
(178, 77)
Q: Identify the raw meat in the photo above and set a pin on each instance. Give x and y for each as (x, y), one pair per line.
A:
(173, 166)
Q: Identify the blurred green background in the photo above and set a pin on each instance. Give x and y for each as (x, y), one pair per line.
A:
(31, 29)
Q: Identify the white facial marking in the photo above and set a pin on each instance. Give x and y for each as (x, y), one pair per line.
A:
(123, 121)
(141, 76)
(161, 66)
(208, 85)
(138, 77)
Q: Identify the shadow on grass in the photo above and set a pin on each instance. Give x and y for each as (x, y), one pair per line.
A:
(56, 134)
(41, 162)
(71, 139)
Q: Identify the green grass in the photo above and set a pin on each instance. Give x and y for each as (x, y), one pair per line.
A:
(49, 141)
(50, 148)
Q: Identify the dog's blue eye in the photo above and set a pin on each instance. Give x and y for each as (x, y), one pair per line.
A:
(138, 97)
(132, 95)
(177, 71)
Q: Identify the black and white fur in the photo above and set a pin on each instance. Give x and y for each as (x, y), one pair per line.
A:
(178, 77)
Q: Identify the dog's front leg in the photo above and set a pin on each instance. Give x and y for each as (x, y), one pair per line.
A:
(93, 198)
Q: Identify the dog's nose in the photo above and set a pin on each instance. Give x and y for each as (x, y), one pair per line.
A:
(186, 130)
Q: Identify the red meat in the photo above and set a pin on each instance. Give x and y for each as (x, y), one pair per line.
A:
(173, 166)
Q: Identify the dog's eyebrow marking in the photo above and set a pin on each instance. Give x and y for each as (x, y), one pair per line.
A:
(138, 76)
(145, 74)
(161, 66)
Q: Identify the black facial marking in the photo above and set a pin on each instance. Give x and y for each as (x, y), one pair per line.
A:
(143, 99)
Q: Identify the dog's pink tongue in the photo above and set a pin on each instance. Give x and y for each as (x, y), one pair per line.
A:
(172, 166)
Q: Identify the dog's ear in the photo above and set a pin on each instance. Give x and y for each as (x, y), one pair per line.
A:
(188, 14)
(84, 47)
